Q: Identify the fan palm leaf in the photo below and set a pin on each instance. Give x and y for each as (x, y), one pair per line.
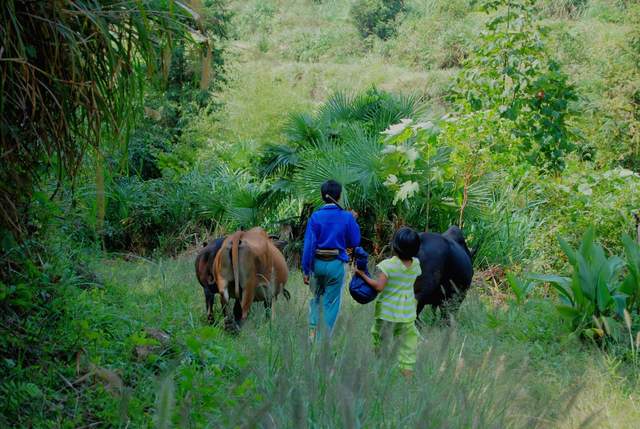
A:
(279, 158)
(362, 155)
(338, 108)
(301, 128)
(315, 170)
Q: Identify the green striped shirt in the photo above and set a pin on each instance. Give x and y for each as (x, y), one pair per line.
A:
(396, 302)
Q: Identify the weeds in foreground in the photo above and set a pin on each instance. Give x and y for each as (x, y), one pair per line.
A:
(343, 384)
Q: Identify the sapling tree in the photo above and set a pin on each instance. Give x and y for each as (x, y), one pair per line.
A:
(511, 71)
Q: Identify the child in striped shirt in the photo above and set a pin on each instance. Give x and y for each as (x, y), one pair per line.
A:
(396, 304)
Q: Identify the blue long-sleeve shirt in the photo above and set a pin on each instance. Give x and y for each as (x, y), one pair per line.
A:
(329, 227)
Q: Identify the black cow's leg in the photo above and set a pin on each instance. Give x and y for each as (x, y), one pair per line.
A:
(268, 303)
(237, 311)
(419, 309)
(209, 297)
(444, 313)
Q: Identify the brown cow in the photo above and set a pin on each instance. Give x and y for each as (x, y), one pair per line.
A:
(255, 266)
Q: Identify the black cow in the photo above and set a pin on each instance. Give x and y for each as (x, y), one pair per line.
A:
(205, 274)
(447, 269)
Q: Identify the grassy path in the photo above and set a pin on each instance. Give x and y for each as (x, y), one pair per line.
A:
(495, 367)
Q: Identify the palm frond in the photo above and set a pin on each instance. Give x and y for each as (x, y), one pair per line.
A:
(480, 193)
(279, 158)
(315, 170)
(362, 154)
(301, 128)
(390, 109)
(337, 110)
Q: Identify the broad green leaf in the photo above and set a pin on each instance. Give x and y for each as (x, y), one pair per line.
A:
(568, 250)
(568, 312)
(587, 241)
(629, 285)
(632, 252)
(620, 304)
(515, 284)
(550, 278)
(587, 280)
(604, 297)
(398, 128)
(407, 190)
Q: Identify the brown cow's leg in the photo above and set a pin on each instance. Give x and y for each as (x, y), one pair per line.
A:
(229, 323)
(248, 289)
(272, 307)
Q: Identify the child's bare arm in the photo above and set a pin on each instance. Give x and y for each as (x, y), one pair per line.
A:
(378, 284)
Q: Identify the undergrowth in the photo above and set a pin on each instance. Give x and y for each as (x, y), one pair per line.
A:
(495, 366)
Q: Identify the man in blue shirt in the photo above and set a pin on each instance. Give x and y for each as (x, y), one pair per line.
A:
(330, 231)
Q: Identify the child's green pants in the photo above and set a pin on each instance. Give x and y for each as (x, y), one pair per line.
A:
(399, 338)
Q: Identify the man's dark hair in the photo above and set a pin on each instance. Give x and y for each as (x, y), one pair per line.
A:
(331, 189)
(406, 243)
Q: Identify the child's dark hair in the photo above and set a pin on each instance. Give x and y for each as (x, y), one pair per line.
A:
(406, 243)
(331, 191)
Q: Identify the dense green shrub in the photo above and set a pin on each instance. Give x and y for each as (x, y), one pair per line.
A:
(598, 296)
(511, 72)
(376, 17)
(38, 345)
(169, 213)
(342, 140)
(581, 198)
(49, 121)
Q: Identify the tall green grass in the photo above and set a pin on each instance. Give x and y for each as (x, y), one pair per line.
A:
(495, 366)
(458, 383)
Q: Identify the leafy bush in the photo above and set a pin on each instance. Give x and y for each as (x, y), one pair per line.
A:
(581, 198)
(169, 213)
(342, 141)
(505, 231)
(511, 72)
(376, 17)
(439, 35)
(42, 278)
(596, 296)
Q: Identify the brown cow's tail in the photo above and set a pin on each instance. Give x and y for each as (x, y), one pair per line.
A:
(217, 271)
(234, 263)
(286, 294)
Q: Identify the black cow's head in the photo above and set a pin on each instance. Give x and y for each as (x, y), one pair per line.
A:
(455, 234)
(280, 244)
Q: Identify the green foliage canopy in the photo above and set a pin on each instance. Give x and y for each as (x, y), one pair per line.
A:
(71, 72)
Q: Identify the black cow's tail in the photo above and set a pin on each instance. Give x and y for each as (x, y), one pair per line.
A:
(286, 294)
